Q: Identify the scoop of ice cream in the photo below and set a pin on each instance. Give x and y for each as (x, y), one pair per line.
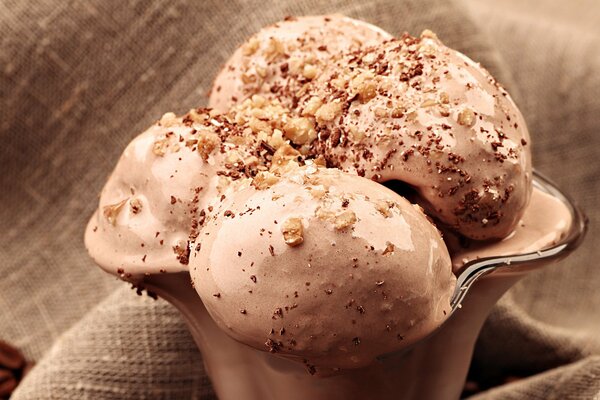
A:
(280, 59)
(414, 110)
(143, 220)
(322, 266)
(156, 199)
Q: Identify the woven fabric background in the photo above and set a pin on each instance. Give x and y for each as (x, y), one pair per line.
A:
(79, 79)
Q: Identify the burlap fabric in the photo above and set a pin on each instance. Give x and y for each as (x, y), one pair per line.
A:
(79, 79)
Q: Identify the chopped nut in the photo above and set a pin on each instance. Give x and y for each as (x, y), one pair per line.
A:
(444, 98)
(389, 248)
(294, 65)
(345, 219)
(355, 134)
(309, 71)
(233, 156)
(191, 143)
(251, 46)
(182, 251)
(398, 112)
(258, 125)
(466, 117)
(111, 212)
(364, 85)
(328, 112)
(261, 71)
(300, 130)
(160, 147)
(136, 205)
(311, 107)
(169, 119)
(292, 230)
(283, 156)
(384, 207)
(196, 115)
(276, 139)
(207, 142)
(274, 49)
(264, 180)
(247, 79)
(428, 34)
(320, 161)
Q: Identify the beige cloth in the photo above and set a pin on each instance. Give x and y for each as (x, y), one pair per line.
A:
(79, 79)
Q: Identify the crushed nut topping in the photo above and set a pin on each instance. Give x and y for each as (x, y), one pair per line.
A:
(160, 147)
(169, 119)
(284, 155)
(328, 112)
(466, 117)
(309, 71)
(292, 230)
(389, 248)
(384, 207)
(300, 130)
(111, 212)
(345, 219)
(251, 46)
(264, 180)
(207, 142)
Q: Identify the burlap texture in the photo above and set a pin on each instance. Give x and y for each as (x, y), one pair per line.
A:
(79, 79)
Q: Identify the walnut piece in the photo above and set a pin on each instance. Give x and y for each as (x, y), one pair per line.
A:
(251, 46)
(364, 85)
(389, 248)
(300, 130)
(466, 117)
(309, 71)
(160, 147)
(283, 156)
(169, 119)
(328, 112)
(293, 230)
(345, 219)
(312, 106)
(207, 142)
(111, 212)
(384, 207)
(264, 180)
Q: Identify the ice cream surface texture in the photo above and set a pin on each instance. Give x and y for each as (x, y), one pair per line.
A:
(273, 199)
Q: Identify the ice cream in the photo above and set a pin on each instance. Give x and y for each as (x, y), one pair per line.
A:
(416, 111)
(281, 59)
(323, 266)
(273, 202)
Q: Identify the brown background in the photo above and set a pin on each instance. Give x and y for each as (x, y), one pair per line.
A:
(79, 79)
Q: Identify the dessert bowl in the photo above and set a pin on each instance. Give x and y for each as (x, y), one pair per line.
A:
(436, 366)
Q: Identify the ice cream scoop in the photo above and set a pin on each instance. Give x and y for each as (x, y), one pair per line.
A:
(282, 58)
(156, 199)
(417, 111)
(325, 267)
